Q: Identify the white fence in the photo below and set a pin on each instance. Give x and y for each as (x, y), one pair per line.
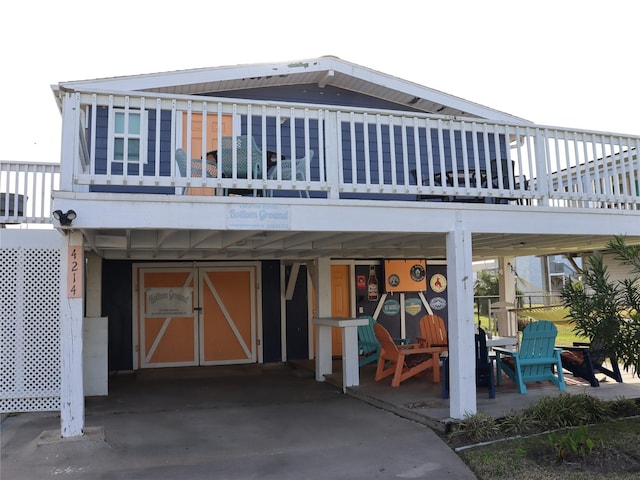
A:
(26, 190)
(30, 262)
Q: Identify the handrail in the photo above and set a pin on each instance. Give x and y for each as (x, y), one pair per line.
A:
(26, 190)
(359, 153)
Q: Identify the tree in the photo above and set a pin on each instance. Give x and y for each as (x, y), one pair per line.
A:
(607, 310)
(486, 285)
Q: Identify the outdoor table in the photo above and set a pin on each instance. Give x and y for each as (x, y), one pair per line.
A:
(504, 342)
(349, 327)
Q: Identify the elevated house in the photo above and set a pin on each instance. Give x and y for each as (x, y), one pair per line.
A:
(207, 216)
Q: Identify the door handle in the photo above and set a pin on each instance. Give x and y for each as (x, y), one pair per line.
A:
(197, 309)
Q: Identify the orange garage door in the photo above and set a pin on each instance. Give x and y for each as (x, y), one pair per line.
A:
(196, 316)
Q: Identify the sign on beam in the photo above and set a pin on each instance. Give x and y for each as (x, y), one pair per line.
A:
(75, 262)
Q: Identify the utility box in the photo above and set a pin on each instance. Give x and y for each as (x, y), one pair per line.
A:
(95, 371)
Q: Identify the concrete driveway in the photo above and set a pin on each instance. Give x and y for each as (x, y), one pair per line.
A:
(240, 422)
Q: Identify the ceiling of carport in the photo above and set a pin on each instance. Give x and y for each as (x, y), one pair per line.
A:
(225, 245)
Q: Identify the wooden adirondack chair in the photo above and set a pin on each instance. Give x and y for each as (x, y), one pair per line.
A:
(433, 333)
(405, 361)
(585, 360)
(368, 345)
(485, 376)
(536, 359)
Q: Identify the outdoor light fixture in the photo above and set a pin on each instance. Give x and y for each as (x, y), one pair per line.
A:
(65, 219)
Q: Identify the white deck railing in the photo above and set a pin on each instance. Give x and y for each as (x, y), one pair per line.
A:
(26, 190)
(431, 158)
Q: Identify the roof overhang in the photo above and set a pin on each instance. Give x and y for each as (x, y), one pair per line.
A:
(153, 230)
(321, 72)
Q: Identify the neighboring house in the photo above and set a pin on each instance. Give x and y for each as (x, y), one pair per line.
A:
(345, 169)
(538, 278)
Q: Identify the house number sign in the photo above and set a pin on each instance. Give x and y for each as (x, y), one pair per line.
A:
(74, 272)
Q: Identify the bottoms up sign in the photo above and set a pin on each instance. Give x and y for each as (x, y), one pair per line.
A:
(169, 302)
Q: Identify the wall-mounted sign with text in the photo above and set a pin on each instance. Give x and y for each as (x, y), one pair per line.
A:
(169, 302)
(259, 217)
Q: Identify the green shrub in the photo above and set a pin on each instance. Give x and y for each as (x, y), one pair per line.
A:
(549, 413)
(476, 428)
(574, 442)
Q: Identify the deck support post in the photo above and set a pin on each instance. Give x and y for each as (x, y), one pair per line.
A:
(71, 344)
(462, 362)
(321, 278)
(506, 320)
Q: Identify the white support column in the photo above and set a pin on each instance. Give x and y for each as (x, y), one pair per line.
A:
(506, 320)
(322, 283)
(541, 167)
(332, 154)
(71, 313)
(69, 146)
(350, 368)
(462, 376)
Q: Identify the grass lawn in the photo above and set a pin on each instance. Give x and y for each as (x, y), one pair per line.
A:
(612, 452)
(566, 335)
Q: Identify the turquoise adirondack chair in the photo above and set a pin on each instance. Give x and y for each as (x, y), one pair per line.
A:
(536, 360)
(368, 345)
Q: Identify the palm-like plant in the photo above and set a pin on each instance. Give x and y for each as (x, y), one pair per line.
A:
(608, 310)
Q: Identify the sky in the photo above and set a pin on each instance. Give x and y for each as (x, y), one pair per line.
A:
(567, 63)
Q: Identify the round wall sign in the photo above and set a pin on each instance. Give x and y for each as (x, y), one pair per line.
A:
(394, 280)
(417, 273)
(438, 283)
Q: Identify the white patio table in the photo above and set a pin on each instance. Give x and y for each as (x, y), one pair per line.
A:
(349, 327)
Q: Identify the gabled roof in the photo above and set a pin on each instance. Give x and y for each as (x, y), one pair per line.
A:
(321, 72)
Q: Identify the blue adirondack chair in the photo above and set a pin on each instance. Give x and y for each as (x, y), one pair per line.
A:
(585, 360)
(368, 345)
(536, 360)
(485, 375)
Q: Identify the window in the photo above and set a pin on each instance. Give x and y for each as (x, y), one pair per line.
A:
(128, 137)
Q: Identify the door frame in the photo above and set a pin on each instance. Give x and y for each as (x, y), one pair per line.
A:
(229, 266)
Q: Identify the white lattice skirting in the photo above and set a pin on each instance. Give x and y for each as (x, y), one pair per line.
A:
(30, 262)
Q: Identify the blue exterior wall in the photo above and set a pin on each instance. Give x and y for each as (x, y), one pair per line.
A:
(313, 94)
(488, 149)
(133, 169)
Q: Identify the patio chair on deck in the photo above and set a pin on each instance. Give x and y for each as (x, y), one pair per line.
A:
(405, 361)
(240, 144)
(433, 333)
(585, 360)
(368, 345)
(535, 360)
(196, 171)
(286, 170)
(485, 376)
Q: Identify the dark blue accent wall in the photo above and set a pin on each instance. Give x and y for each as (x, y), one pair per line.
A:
(312, 94)
(117, 305)
(486, 151)
(272, 343)
(133, 169)
(297, 317)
